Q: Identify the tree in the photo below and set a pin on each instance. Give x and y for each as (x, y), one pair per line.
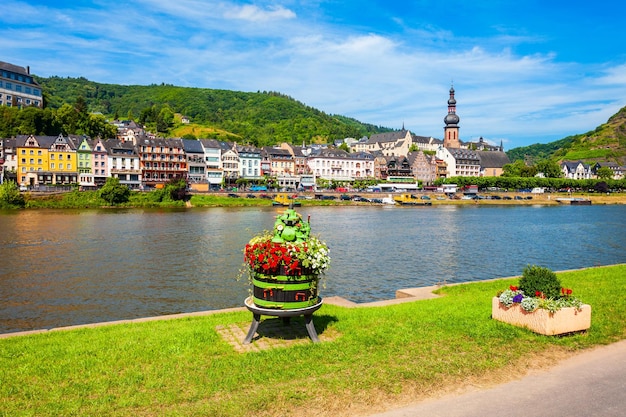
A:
(113, 192)
(550, 169)
(97, 126)
(604, 173)
(68, 119)
(601, 187)
(176, 189)
(10, 196)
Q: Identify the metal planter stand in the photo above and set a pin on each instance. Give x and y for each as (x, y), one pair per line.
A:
(257, 312)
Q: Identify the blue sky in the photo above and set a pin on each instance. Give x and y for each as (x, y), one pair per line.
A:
(526, 71)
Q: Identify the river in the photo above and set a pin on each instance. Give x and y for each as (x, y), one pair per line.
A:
(66, 267)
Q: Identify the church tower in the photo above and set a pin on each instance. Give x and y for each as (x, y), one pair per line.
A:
(451, 129)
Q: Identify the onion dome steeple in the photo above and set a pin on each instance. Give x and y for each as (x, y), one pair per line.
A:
(451, 129)
(451, 119)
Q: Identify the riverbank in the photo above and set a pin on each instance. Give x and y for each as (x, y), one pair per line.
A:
(370, 359)
(308, 199)
(89, 199)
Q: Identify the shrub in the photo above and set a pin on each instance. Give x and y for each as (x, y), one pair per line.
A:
(10, 196)
(539, 281)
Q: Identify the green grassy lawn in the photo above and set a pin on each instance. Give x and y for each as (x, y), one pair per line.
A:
(377, 356)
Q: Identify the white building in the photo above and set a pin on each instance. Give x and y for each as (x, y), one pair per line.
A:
(336, 164)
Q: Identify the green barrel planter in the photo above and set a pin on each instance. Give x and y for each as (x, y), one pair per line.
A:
(284, 292)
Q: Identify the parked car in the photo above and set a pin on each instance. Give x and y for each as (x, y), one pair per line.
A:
(251, 196)
(345, 197)
(233, 195)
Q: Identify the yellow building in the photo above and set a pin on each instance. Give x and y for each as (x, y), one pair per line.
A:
(46, 160)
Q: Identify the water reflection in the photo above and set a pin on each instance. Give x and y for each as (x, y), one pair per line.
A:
(68, 267)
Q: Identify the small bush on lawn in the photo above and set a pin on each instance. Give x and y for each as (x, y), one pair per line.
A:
(536, 279)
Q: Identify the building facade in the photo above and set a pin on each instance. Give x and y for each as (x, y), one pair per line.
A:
(18, 88)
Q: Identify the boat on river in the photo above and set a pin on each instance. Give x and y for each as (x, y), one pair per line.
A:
(411, 200)
(574, 201)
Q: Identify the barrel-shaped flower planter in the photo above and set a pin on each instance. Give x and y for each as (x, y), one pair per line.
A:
(285, 266)
(284, 292)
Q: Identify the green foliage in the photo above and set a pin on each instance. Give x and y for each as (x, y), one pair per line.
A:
(539, 150)
(261, 118)
(176, 190)
(10, 196)
(67, 119)
(604, 173)
(113, 192)
(606, 143)
(71, 200)
(518, 169)
(517, 183)
(549, 168)
(539, 279)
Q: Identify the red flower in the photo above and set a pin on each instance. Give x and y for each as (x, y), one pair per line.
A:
(513, 288)
(539, 294)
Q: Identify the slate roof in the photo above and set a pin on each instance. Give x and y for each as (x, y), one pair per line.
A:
(13, 68)
(387, 136)
(466, 154)
(210, 143)
(493, 159)
(44, 141)
(330, 153)
(192, 146)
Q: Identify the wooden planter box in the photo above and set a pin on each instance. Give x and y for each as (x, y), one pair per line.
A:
(541, 321)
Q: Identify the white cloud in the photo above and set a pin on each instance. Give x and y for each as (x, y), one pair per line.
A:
(255, 14)
(378, 78)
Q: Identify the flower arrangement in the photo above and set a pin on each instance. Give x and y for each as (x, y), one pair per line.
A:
(539, 288)
(289, 250)
(309, 257)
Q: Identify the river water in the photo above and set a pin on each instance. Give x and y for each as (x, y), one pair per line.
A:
(66, 267)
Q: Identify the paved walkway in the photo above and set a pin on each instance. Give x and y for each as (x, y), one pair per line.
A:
(590, 384)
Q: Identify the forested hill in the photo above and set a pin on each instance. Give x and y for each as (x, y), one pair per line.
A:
(261, 118)
(606, 143)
